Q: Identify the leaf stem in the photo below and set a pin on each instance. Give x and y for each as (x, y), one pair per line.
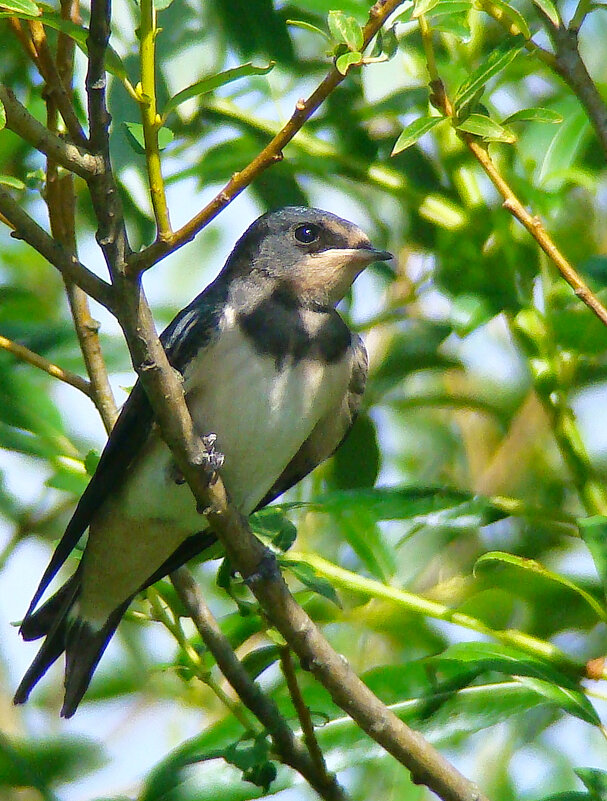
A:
(150, 118)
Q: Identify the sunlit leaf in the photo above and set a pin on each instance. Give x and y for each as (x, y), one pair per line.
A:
(535, 567)
(550, 10)
(17, 7)
(136, 138)
(214, 82)
(486, 128)
(594, 533)
(345, 29)
(415, 131)
(307, 26)
(345, 61)
(596, 782)
(496, 62)
(534, 115)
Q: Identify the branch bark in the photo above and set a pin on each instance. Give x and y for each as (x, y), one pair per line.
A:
(287, 746)
(21, 122)
(28, 356)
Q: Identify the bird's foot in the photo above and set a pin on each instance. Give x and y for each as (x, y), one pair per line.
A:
(213, 459)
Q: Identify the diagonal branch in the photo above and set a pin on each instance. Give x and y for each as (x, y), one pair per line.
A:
(287, 746)
(271, 153)
(29, 231)
(27, 355)
(21, 122)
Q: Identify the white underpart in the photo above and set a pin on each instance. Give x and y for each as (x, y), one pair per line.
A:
(261, 416)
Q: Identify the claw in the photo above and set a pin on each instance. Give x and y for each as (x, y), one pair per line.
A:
(213, 459)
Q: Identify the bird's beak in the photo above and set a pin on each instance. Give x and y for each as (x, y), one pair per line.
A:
(377, 255)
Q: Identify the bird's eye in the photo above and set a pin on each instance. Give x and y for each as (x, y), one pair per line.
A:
(306, 234)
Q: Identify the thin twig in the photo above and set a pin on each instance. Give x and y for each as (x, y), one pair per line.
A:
(271, 153)
(54, 83)
(303, 713)
(150, 118)
(27, 355)
(289, 749)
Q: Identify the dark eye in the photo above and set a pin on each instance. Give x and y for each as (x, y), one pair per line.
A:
(307, 233)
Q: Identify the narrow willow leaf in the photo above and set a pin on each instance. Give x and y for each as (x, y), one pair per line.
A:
(8, 180)
(497, 61)
(488, 129)
(535, 567)
(596, 781)
(534, 115)
(306, 26)
(312, 580)
(2, 115)
(214, 82)
(136, 139)
(21, 7)
(549, 9)
(345, 29)
(572, 701)
(504, 11)
(593, 531)
(345, 61)
(415, 131)
(423, 6)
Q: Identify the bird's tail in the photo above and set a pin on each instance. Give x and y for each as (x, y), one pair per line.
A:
(64, 631)
(58, 622)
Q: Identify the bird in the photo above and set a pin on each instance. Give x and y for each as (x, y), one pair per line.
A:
(273, 379)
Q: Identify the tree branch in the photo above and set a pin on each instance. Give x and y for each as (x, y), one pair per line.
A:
(570, 66)
(21, 122)
(27, 355)
(287, 747)
(29, 231)
(272, 152)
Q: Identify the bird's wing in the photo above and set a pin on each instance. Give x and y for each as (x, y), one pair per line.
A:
(329, 432)
(191, 330)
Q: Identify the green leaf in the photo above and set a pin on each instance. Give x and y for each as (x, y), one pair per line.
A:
(593, 531)
(15, 183)
(46, 761)
(345, 61)
(91, 460)
(550, 10)
(135, 138)
(572, 701)
(549, 682)
(345, 29)
(213, 82)
(2, 115)
(306, 26)
(255, 662)
(508, 12)
(415, 131)
(497, 61)
(535, 567)
(272, 524)
(17, 7)
(310, 578)
(596, 781)
(534, 115)
(488, 129)
(356, 462)
(423, 6)
(566, 143)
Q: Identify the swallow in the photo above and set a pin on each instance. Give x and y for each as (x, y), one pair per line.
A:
(273, 378)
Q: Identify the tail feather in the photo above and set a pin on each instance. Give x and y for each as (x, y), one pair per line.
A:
(54, 628)
(83, 650)
(57, 621)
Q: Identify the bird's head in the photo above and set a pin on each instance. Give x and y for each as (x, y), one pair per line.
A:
(312, 254)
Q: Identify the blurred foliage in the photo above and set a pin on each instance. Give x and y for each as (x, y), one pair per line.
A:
(459, 587)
